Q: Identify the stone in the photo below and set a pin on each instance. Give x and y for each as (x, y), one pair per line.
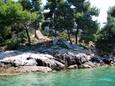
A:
(83, 57)
(97, 59)
(87, 65)
(32, 59)
(73, 67)
(34, 69)
(23, 69)
(55, 58)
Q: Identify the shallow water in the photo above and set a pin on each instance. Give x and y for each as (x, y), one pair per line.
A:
(86, 77)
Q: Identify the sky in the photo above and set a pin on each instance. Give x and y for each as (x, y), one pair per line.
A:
(103, 5)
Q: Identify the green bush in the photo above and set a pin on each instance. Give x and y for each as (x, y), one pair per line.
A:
(13, 44)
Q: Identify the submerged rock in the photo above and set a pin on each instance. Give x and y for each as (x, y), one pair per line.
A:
(23, 69)
(34, 69)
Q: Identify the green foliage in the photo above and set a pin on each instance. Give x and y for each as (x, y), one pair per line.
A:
(33, 6)
(26, 4)
(89, 37)
(83, 18)
(106, 39)
(13, 18)
(13, 43)
(61, 16)
(63, 35)
(112, 11)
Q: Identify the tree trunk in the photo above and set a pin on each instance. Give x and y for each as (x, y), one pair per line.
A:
(28, 36)
(36, 33)
(76, 36)
(36, 28)
(69, 37)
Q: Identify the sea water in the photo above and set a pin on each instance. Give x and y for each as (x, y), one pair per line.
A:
(104, 76)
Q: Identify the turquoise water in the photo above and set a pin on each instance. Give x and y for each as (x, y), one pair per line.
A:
(85, 77)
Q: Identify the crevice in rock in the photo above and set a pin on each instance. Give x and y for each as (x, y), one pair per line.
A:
(40, 63)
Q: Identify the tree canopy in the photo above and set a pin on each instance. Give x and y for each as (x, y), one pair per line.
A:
(70, 18)
(83, 18)
(73, 20)
(106, 40)
(12, 15)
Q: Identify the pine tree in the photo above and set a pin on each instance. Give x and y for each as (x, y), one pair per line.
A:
(83, 18)
(12, 15)
(61, 16)
(106, 39)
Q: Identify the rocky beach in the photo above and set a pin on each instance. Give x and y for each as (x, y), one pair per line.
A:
(47, 59)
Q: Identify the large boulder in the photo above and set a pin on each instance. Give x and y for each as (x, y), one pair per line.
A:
(97, 59)
(82, 57)
(87, 65)
(69, 57)
(32, 59)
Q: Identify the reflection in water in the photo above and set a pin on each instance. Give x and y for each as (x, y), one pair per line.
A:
(85, 77)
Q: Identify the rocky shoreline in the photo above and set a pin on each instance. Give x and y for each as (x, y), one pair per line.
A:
(50, 59)
(54, 56)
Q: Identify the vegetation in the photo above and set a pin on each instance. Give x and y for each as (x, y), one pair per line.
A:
(83, 13)
(70, 19)
(61, 16)
(106, 39)
(73, 17)
(14, 23)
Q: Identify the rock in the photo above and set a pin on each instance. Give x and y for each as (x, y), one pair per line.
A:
(23, 69)
(61, 58)
(82, 57)
(31, 62)
(55, 58)
(9, 54)
(61, 42)
(97, 59)
(40, 36)
(19, 60)
(113, 57)
(73, 67)
(32, 59)
(87, 65)
(70, 57)
(34, 69)
(59, 66)
(107, 59)
(76, 47)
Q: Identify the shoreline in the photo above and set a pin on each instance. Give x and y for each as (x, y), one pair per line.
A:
(22, 70)
(13, 71)
(18, 62)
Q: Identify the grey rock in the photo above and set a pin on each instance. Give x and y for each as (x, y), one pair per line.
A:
(87, 65)
(32, 59)
(73, 67)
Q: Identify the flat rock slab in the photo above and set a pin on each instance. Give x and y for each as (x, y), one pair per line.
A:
(23, 69)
